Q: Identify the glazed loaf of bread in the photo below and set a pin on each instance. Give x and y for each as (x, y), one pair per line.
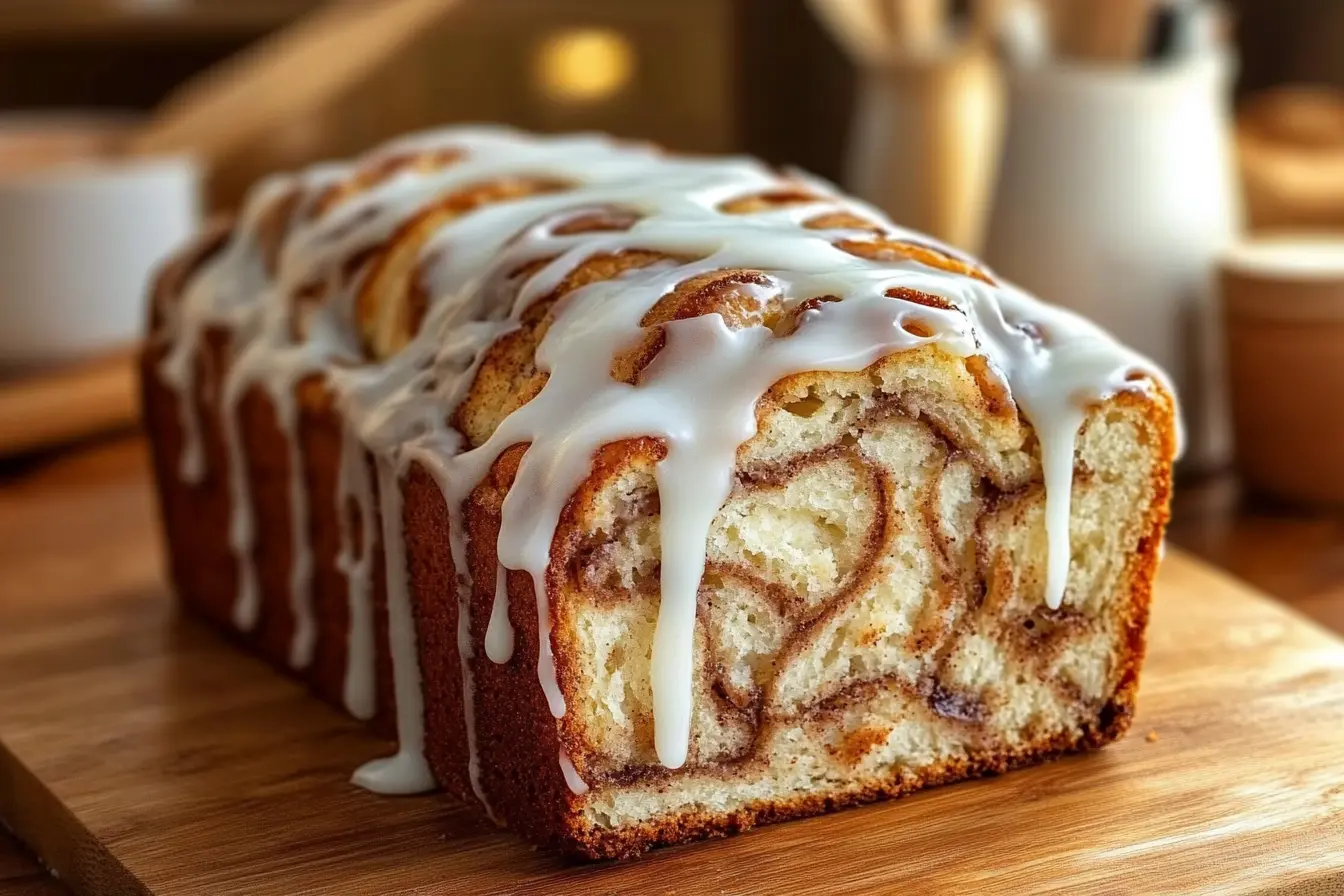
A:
(643, 497)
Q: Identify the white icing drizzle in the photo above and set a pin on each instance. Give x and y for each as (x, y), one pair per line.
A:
(226, 293)
(698, 396)
(269, 360)
(407, 771)
(499, 634)
(1054, 374)
(360, 689)
(573, 781)
(304, 640)
(242, 522)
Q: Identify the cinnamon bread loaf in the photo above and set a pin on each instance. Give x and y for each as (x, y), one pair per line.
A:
(645, 498)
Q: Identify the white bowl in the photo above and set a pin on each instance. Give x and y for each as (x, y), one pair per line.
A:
(81, 231)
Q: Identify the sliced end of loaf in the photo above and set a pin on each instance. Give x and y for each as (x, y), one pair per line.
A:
(872, 619)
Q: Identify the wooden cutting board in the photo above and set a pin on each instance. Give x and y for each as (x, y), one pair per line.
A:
(141, 754)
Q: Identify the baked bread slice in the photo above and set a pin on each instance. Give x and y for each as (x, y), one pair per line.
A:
(647, 498)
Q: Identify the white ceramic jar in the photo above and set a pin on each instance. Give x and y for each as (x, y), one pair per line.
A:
(1116, 196)
(81, 231)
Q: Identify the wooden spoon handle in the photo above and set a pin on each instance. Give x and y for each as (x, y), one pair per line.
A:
(60, 407)
(856, 25)
(918, 25)
(1101, 30)
(285, 75)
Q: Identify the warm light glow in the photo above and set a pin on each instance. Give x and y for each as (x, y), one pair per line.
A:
(584, 64)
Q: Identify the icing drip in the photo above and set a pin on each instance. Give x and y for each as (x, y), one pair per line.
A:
(499, 635)
(178, 370)
(698, 396)
(301, 565)
(1057, 467)
(359, 690)
(465, 650)
(696, 476)
(242, 525)
(282, 366)
(407, 771)
(1056, 363)
(224, 293)
(576, 784)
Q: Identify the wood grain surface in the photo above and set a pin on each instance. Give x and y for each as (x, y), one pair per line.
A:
(1294, 554)
(20, 873)
(141, 754)
(53, 408)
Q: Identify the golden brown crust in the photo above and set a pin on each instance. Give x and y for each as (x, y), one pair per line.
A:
(886, 249)
(196, 519)
(626, 842)
(508, 377)
(390, 307)
(381, 169)
(320, 438)
(171, 279)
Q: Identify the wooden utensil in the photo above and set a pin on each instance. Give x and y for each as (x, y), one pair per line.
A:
(927, 117)
(987, 19)
(46, 410)
(286, 75)
(859, 26)
(917, 26)
(1290, 147)
(1131, 31)
(1112, 31)
(924, 141)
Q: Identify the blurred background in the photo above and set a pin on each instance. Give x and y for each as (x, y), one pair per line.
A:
(1171, 168)
(714, 75)
(763, 76)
